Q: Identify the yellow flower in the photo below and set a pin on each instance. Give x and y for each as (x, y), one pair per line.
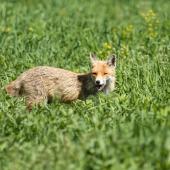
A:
(143, 14)
(7, 30)
(30, 28)
(105, 44)
(155, 34)
(114, 29)
(124, 57)
(102, 59)
(150, 29)
(127, 53)
(122, 52)
(108, 51)
(151, 11)
(124, 47)
(147, 14)
(156, 27)
(109, 47)
(150, 25)
(100, 52)
(153, 17)
(153, 14)
(130, 26)
(64, 48)
(146, 18)
(127, 29)
(0, 27)
(157, 21)
(119, 62)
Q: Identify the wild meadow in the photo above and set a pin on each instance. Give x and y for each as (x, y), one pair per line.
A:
(126, 130)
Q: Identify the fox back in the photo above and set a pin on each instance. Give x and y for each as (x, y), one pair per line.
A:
(43, 82)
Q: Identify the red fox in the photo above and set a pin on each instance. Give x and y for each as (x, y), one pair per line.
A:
(42, 82)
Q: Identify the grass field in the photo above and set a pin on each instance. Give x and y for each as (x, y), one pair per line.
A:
(127, 130)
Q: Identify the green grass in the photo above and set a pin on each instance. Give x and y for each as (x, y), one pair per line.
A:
(127, 130)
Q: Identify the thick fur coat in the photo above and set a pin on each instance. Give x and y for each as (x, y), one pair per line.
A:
(43, 82)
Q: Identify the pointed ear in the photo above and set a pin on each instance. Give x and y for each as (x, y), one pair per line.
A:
(93, 58)
(111, 61)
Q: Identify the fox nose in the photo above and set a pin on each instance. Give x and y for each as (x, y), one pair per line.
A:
(97, 81)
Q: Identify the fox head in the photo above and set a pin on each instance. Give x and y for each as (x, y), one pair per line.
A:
(102, 71)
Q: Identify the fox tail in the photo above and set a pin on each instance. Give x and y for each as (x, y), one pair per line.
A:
(13, 88)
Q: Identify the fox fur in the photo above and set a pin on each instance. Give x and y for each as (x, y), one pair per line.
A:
(42, 82)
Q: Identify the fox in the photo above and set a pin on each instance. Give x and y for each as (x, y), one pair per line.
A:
(44, 82)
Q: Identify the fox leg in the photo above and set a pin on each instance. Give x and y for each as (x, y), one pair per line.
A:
(29, 105)
(29, 101)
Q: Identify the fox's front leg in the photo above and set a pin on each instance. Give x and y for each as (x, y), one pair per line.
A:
(29, 101)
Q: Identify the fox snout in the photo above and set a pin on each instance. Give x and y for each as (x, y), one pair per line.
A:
(97, 81)
(100, 84)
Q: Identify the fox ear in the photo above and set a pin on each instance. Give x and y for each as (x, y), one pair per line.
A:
(111, 61)
(92, 57)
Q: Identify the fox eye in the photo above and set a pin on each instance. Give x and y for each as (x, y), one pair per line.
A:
(94, 73)
(105, 73)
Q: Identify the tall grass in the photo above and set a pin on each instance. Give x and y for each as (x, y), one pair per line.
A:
(130, 128)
